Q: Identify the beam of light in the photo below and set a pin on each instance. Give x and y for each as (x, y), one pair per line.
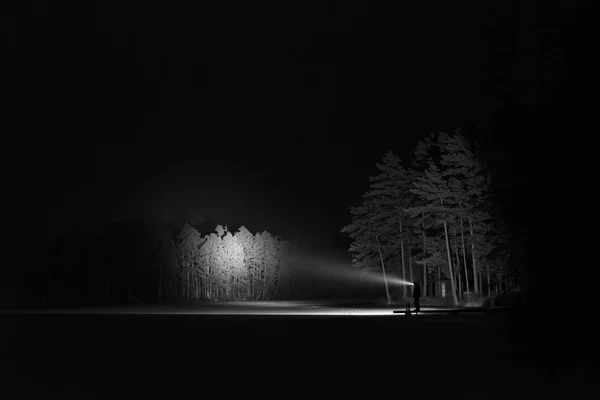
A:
(340, 272)
(398, 281)
(378, 278)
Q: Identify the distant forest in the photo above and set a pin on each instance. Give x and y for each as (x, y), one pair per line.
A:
(135, 262)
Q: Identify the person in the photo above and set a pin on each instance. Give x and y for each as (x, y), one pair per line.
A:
(416, 295)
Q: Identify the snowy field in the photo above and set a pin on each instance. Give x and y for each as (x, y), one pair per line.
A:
(274, 308)
(254, 346)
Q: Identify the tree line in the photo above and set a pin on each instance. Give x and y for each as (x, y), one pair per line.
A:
(435, 220)
(133, 262)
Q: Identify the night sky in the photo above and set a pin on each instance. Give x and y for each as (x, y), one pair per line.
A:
(271, 116)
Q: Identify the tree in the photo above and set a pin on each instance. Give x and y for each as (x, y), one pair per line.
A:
(191, 266)
(286, 251)
(389, 192)
(470, 185)
(219, 266)
(234, 259)
(210, 257)
(167, 266)
(497, 252)
(364, 230)
(433, 256)
(272, 253)
(245, 238)
(438, 203)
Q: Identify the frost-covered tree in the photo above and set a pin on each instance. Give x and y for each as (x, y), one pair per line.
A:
(234, 259)
(219, 263)
(211, 258)
(246, 239)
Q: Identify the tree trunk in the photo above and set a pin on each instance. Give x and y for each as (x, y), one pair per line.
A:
(462, 235)
(252, 282)
(452, 285)
(205, 284)
(480, 277)
(387, 292)
(402, 255)
(425, 291)
(424, 263)
(438, 285)
(259, 293)
(488, 278)
(160, 289)
(473, 255)
(458, 277)
(410, 271)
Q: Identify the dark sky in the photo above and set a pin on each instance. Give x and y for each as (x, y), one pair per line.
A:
(270, 116)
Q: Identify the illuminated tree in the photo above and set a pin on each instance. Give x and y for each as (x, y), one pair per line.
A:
(219, 268)
(259, 267)
(233, 254)
(210, 259)
(245, 239)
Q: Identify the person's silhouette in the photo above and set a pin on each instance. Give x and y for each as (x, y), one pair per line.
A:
(416, 296)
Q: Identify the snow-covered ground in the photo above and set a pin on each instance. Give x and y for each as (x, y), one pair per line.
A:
(307, 308)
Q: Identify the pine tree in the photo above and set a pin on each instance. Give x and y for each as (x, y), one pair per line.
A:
(234, 258)
(365, 230)
(439, 202)
(211, 259)
(246, 239)
(272, 254)
(221, 273)
(390, 192)
(470, 183)
(167, 266)
(191, 266)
